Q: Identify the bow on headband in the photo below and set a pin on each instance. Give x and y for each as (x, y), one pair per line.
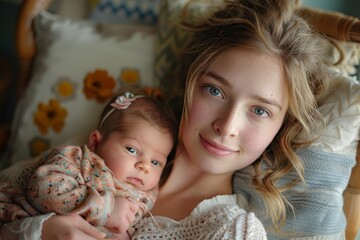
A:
(121, 102)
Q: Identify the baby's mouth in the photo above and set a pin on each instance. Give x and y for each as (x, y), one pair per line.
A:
(135, 181)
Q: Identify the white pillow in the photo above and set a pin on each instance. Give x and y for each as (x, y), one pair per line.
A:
(341, 110)
(340, 107)
(68, 52)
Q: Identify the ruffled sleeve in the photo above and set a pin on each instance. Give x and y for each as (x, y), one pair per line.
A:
(25, 229)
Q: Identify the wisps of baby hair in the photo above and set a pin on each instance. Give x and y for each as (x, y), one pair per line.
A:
(121, 102)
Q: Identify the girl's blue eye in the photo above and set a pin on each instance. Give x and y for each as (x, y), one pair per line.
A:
(155, 163)
(261, 112)
(213, 91)
(132, 151)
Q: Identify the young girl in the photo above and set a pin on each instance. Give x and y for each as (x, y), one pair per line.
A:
(107, 181)
(253, 74)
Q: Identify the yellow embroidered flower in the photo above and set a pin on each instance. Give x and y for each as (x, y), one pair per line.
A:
(99, 85)
(38, 145)
(50, 116)
(65, 89)
(130, 76)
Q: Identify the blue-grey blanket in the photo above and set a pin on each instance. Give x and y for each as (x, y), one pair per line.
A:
(318, 203)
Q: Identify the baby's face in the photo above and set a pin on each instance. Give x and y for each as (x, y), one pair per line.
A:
(137, 156)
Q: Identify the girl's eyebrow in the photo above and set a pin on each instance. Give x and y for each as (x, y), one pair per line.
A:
(272, 102)
(218, 78)
(215, 76)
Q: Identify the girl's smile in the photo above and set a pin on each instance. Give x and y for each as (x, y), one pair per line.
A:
(215, 148)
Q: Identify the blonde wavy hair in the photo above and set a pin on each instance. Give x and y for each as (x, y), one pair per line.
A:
(272, 27)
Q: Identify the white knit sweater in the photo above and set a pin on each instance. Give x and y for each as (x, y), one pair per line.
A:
(216, 218)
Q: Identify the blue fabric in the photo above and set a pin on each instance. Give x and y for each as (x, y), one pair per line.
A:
(318, 204)
(126, 11)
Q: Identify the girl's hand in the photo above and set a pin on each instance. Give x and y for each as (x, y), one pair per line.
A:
(70, 227)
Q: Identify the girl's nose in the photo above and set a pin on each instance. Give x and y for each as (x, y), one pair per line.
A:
(228, 124)
(142, 166)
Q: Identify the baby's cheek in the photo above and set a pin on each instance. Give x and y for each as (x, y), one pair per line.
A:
(118, 170)
(153, 181)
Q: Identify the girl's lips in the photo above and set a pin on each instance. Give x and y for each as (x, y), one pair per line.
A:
(216, 148)
(134, 181)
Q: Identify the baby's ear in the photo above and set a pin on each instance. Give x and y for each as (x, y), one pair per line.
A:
(94, 140)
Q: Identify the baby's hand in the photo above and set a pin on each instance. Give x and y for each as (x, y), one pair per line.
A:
(122, 216)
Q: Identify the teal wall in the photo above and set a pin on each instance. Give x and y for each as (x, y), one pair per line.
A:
(350, 7)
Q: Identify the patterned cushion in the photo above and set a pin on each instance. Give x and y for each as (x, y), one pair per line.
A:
(77, 70)
(126, 11)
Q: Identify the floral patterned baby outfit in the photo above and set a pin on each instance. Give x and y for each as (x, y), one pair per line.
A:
(65, 180)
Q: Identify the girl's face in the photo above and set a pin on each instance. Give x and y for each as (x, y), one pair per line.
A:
(238, 106)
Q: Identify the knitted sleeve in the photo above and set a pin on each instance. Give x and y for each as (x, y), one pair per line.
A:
(252, 230)
(13, 204)
(72, 180)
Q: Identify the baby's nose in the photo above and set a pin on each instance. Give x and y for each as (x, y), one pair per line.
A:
(142, 166)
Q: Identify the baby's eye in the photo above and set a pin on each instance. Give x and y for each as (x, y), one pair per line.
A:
(132, 151)
(213, 90)
(261, 112)
(155, 163)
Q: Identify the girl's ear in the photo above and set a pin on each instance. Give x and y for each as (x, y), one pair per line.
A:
(94, 140)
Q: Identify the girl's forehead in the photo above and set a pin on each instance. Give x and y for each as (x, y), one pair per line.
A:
(247, 62)
(250, 72)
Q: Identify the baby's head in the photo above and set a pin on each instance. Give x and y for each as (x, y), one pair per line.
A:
(135, 136)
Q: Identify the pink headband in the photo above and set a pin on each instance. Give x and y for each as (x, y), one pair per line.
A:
(121, 102)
